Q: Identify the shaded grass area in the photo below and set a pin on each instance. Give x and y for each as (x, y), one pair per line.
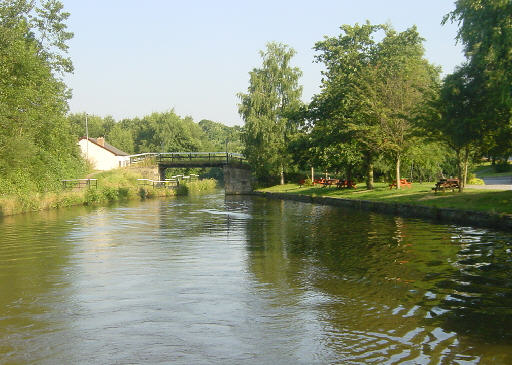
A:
(487, 170)
(115, 185)
(492, 201)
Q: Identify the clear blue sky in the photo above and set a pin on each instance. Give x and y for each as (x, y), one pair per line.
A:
(133, 58)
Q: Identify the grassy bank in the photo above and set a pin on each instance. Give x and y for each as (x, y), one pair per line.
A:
(491, 201)
(487, 170)
(114, 185)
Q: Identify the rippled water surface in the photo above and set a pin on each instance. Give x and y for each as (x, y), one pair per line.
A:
(230, 280)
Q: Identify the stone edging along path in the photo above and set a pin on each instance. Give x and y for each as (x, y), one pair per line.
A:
(445, 215)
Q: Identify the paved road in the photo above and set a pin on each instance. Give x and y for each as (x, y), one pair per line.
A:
(491, 187)
(504, 180)
(494, 183)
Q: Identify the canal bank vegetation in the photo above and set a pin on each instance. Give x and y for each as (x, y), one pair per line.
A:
(112, 186)
(420, 194)
(38, 138)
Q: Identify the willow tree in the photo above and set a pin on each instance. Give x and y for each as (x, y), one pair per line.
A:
(273, 93)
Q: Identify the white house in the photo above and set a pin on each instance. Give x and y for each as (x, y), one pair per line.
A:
(101, 155)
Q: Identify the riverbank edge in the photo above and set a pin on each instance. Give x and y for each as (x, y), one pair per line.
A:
(464, 217)
(38, 202)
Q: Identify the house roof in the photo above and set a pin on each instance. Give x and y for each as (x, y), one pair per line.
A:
(108, 147)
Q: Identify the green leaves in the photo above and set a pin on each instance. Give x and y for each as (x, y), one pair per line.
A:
(272, 95)
(36, 146)
(371, 89)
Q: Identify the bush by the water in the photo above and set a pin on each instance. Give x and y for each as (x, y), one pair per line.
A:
(114, 185)
(195, 187)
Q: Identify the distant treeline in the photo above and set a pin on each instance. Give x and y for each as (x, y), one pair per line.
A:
(159, 132)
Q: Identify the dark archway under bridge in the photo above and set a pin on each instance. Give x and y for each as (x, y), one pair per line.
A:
(237, 171)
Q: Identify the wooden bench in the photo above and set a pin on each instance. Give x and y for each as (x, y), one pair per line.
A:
(444, 184)
(349, 184)
(329, 182)
(403, 182)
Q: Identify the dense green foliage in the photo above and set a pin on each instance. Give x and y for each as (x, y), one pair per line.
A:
(159, 132)
(273, 94)
(37, 148)
(369, 96)
(383, 109)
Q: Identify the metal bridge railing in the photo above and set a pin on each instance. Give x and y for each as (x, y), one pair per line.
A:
(170, 157)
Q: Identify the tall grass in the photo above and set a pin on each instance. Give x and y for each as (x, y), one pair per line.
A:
(115, 185)
(197, 187)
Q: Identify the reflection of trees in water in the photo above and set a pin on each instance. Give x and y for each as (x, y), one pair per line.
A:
(479, 296)
(382, 273)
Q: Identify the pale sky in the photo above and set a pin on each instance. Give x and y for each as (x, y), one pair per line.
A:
(135, 57)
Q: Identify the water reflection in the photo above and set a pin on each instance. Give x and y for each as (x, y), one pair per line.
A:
(392, 289)
(236, 280)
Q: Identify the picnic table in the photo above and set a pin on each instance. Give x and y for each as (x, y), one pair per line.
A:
(444, 184)
(346, 184)
(403, 182)
(329, 182)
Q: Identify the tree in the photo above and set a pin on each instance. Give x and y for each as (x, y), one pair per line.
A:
(33, 130)
(273, 92)
(121, 138)
(370, 90)
(221, 136)
(485, 29)
(335, 108)
(454, 116)
(392, 87)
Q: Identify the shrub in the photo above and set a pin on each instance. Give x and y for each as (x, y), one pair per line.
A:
(476, 181)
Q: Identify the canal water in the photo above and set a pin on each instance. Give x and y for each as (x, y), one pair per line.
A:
(240, 280)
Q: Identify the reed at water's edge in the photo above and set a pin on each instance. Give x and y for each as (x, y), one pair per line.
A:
(115, 185)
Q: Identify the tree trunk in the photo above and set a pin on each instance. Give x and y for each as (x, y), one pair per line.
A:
(369, 172)
(397, 176)
(312, 174)
(349, 173)
(459, 171)
(466, 163)
(282, 175)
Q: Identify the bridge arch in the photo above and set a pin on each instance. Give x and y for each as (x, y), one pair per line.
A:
(237, 171)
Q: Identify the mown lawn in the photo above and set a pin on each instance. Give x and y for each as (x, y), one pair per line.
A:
(494, 201)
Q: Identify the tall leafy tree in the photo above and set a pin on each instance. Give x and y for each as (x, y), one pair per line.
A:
(454, 116)
(370, 90)
(273, 93)
(33, 101)
(485, 29)
(392, 87)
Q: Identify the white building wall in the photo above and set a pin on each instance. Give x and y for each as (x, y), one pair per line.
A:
(100, 158)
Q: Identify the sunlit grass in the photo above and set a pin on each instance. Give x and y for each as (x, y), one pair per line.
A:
(114, 185)
(495, 201)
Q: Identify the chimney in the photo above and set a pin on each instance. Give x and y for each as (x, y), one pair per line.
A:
(101, 141)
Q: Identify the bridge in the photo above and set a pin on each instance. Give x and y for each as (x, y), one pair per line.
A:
(237, 171)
